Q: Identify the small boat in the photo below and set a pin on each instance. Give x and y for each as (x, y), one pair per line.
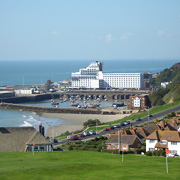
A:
(79, 106)
(54, 103)
(91, 105)
(74, 104)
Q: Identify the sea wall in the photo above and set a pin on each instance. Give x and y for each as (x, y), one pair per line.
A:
(52, 109)
(30, 98)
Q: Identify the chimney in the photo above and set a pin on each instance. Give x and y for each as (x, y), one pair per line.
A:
(163, 124)
(40, 128)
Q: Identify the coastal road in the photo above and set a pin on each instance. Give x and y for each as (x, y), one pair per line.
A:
(143, 120)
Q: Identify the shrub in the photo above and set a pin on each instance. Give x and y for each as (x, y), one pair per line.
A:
(148, 153)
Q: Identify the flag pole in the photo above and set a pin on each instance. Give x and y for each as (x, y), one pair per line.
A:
(166, 164)
(118, 143)
(122, 154)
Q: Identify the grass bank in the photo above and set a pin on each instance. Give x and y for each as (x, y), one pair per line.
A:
(77, 165)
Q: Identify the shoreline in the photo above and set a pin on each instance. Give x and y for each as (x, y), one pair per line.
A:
(74, 122)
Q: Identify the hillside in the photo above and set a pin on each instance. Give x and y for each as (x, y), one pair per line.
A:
(172, 92)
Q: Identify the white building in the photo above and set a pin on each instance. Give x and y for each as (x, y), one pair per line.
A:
(159, 140)
(93, 77)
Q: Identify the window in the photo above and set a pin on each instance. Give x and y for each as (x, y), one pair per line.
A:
(173, 143)
(163, 141)
(152, 141)
(174, 152)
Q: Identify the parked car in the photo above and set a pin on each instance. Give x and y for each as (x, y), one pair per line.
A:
(86, 133)
(92, 132)
(171, 155)
(74, 137)
(105, 129)
(81, 135)
(122, 124)
(128, 122)
(138, 119)
(68, 137)
(117, 126)
(149, 115)
(111, 127)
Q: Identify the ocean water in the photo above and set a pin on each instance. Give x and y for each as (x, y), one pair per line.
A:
(37, 72)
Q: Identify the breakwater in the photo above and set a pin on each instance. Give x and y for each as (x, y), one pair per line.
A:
(52, 109)
(29, 98)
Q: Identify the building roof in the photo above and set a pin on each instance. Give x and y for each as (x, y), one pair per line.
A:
(123, 139)
(165, 135)
(16, 139)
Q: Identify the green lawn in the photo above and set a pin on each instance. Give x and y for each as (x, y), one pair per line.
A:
(77, 165)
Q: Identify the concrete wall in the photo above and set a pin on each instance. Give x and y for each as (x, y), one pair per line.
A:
(52, 109)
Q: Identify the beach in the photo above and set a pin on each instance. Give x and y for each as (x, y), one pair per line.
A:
(74, 122)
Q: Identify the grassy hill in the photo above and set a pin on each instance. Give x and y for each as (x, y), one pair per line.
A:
(172, 92)
(77, 165)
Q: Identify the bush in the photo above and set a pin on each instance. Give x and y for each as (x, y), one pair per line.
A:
(91, 122)
(148, 153)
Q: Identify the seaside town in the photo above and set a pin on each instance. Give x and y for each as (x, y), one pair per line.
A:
(89, 90)
(130, 94)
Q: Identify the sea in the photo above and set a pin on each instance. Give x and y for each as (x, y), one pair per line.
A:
(38, 72)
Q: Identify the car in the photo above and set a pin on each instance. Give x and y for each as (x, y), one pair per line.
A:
(105, 129)
(86, 134)
(171, 155)
(122, 124)
(111, 127)
(74, 137)
(128, 122)
(92, 132)
(81, 135)
(138, 119)
(149, 115)
(117, 126)
(68, 137)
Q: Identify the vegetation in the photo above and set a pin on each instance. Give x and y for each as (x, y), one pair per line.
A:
(77, 165)
(95, 144)
(172, 92)
(91, 122)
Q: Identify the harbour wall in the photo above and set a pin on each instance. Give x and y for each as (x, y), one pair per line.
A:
(52, 109)
(28, 98)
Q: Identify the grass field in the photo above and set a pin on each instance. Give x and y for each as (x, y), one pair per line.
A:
(77, 165)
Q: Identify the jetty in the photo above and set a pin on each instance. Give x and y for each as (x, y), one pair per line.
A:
(20, 107)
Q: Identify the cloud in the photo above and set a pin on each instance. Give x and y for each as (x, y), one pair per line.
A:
(54, 33)
(126, 36)
(178, 15)
(161, 33)
(109, 38)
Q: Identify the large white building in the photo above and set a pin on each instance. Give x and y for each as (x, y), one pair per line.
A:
(93, 77)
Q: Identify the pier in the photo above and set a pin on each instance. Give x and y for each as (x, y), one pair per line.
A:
(53, 109)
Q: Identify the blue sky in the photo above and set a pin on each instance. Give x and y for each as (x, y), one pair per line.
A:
(89, 29)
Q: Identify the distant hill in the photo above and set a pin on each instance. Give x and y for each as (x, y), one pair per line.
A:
(172, 92)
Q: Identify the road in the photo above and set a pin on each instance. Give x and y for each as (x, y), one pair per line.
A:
(143, 120)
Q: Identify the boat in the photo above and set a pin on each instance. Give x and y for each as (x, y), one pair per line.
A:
(79, 106)
(54, 103)
(74, 104)
(91, 105)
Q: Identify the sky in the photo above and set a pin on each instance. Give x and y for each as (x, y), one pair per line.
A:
(89, 29)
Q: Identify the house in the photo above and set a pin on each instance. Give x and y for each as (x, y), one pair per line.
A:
(162, 139)
(175, 123)
(140, 132)
(139, 102)
(22, 139)
(130, 141)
